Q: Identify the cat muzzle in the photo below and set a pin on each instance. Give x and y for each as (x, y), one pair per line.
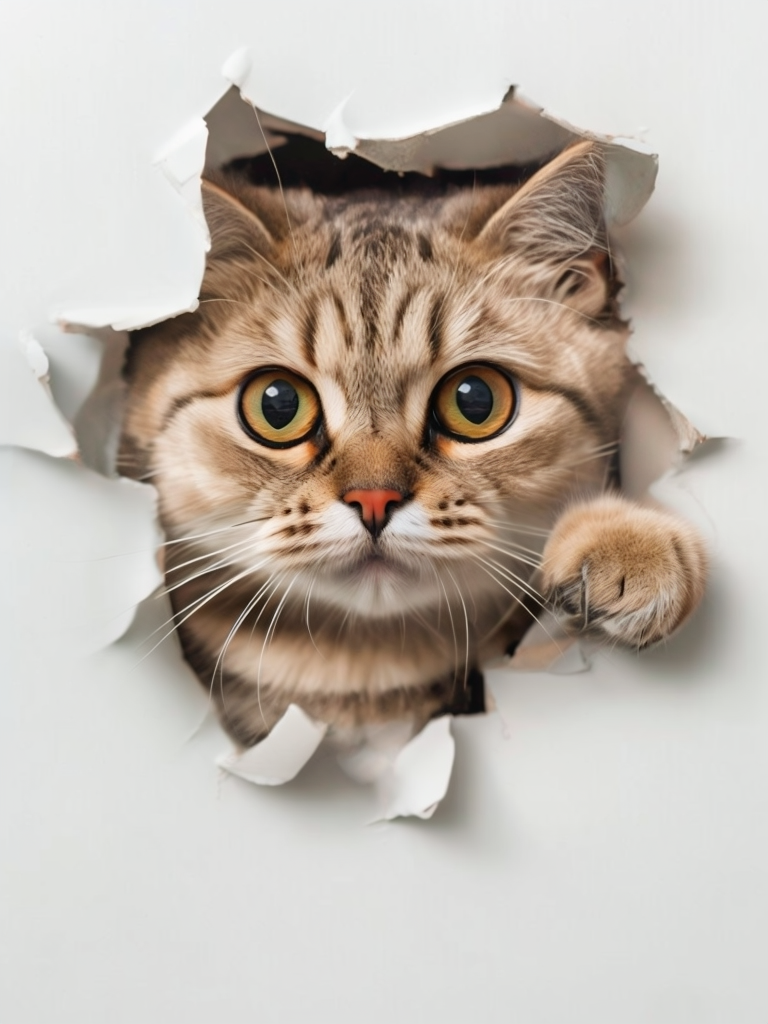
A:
(375, 507)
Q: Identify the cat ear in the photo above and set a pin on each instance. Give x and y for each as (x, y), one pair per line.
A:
(237, 232)
(556, 221)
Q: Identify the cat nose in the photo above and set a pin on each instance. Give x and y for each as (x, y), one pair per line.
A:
(374, 507)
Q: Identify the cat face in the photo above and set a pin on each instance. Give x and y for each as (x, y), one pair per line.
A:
(385, 400)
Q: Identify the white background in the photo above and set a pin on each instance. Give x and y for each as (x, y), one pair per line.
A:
(603, 858)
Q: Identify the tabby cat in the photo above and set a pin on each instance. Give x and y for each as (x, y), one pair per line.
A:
(387, 436)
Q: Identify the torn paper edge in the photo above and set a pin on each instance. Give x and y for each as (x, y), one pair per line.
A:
(631, 166)
(688, 436)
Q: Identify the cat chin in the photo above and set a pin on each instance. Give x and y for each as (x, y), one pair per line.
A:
(375, 591)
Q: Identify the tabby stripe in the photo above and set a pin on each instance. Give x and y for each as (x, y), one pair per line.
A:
(402, 309)
(425, 247)
(436, 327)
(181, 403)
(577, 400)
(369, 311)
(614, 469)
(348, 341)
(309, 331)
(334, 252)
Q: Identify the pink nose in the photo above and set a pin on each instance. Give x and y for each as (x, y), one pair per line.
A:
(374, 506)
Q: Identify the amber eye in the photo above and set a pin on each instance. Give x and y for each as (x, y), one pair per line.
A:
(278, 408)
(475, 402)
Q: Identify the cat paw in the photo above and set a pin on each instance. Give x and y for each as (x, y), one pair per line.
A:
(624, 573)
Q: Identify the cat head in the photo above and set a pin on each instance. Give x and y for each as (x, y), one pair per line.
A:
(384, 396)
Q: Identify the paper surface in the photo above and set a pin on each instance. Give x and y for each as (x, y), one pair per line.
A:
(94, 539)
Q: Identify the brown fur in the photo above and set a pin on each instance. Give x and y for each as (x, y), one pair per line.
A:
(279, 592)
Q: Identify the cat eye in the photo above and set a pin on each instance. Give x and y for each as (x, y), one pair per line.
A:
(475, 402)
(278, 408)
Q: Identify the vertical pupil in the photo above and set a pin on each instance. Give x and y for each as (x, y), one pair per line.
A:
(279, 404)
(474, 399)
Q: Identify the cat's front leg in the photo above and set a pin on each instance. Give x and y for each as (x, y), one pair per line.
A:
(622, 572)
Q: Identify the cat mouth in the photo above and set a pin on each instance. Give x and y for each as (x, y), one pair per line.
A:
(375, 562)
(375, 565)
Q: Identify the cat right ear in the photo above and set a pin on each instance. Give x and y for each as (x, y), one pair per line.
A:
(557, 214)
(555, 223)
(237, 233)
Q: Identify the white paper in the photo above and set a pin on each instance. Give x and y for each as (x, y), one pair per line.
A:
(281, 755)
(28, 416)
(419, 777)
(182, 161)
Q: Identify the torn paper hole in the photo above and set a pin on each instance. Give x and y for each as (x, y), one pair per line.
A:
(490, 146)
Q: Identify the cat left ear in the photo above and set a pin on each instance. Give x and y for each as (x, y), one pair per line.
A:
(556, 222)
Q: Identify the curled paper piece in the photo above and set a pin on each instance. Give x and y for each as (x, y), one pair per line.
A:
(419, 777)
(238, 66)
(182, 161)
(29, 418)
(562, 656)
(546, 648)
(281, 755)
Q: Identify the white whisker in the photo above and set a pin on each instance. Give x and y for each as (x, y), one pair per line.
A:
(513, 577)
(518, 599)
(453, 627)
(504, 550)
(196, 605)
(238, 622)
(466, 626)
(269, 634)
(306, 613)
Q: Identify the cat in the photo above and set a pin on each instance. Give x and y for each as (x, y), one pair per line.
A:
(387, 436)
